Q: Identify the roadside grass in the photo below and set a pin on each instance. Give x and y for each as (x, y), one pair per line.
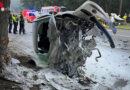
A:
(127, 27)
(123, 27)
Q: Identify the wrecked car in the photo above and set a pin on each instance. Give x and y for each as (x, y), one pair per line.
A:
(60, 39)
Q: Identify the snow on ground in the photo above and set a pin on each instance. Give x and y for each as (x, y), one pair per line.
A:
(15, 61)
(112, 69)
(46, 79)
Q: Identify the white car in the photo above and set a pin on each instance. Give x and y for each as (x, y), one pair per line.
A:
(59, 39)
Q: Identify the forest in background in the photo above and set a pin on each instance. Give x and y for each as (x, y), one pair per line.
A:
(110, 6)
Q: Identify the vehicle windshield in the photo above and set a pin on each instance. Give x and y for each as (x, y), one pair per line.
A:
(63, 9)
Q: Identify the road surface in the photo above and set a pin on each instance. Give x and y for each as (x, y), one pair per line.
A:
(122, 38)
(112, 69)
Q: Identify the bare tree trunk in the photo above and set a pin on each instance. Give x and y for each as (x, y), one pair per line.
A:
(109, 6)
(120, 7)
(4, 34)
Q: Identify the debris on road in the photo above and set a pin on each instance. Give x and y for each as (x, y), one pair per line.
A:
(70, 41)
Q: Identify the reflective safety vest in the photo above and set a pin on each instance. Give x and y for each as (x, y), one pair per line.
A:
(98, 18)
(19, 18)
(125, 17)
(15, 19)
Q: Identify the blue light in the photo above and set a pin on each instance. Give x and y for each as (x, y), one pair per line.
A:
(33, 11)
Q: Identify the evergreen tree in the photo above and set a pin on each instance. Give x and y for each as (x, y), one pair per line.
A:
(110, 6)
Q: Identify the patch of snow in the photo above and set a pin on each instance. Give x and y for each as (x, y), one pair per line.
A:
(60, 81)
(112, 66)
(46, 78)
(15, 61)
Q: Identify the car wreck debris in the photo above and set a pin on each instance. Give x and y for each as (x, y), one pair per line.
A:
(64, 41)
(72, 49)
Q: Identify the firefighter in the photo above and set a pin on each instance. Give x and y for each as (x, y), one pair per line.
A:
(10, 23)
(21, 22)
(15, 22)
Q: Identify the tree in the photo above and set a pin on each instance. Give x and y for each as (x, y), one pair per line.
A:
(110, 6)
(4, 34)
(120, 7)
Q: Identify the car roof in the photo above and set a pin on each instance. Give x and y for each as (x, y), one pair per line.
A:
(49, 15)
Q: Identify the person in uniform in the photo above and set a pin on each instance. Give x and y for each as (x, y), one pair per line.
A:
(21, 22)
(10, 23)
(15, 22)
